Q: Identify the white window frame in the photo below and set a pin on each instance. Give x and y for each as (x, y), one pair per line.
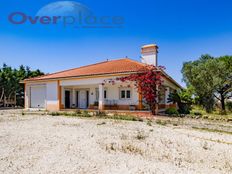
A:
(125, 89)
(97, 93)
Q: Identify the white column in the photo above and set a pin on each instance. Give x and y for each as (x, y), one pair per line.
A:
(167, 92)
(27, 96)
(101, 97)
(62, 97)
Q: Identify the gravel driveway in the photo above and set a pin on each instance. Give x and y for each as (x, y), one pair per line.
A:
(46, 144)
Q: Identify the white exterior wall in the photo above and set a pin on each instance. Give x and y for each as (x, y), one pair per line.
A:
(90, 88)
(113, 91)
(170, 87)
(51, 98)
(170, 84)
(91, 84)
(78, 82)
(52, 93)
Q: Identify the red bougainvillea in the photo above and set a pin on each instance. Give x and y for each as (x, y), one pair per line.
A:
(148, 82)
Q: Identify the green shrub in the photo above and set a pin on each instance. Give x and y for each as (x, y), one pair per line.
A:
(222, 112)
(125, 117)
(55, 113)
(85, 114)
(149, 122)
(172, 111)
(185, 109)
(229, 106)
(197, 113)
(78, 112)
(101, 114)
(160, 122)
(68, 114)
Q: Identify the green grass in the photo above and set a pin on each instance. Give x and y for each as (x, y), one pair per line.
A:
(212, 130)
(160, 122)
(97, 115)
(198, 112)
(71, 114)
(124, 117)
(149, 122)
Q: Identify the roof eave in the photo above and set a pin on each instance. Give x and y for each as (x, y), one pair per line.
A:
(81, 76)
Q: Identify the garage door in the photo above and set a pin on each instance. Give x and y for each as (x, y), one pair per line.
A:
(38, 96)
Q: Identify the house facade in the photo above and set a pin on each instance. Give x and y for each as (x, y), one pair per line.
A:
(95, 86)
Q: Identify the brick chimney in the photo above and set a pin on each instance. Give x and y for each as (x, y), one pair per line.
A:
(149, 54)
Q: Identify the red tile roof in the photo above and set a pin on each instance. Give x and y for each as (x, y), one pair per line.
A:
(124, 65)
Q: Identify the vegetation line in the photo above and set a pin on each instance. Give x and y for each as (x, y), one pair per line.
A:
(212, 130)
(207, 139)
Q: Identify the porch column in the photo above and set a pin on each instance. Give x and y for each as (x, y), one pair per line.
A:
(101, 97)
(26, 96)
(140, 106)
(59, 92)
(62, 102)
(167, 92)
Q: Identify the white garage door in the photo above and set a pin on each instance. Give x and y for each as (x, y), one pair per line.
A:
(38, 96)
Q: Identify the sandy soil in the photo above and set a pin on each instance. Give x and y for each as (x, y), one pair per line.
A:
(46, 144)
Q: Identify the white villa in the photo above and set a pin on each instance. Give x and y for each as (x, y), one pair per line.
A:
(88, 87)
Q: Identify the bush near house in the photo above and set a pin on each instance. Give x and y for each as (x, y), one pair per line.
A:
(229, 106)
(184, 100)
(172, 112)
(197, 113)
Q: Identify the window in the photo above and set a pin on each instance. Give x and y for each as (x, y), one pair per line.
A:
(97, 94)
(125, 93)
(105, 94)
(128, 94)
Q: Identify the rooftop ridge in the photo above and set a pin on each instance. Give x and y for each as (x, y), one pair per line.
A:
(85, 66)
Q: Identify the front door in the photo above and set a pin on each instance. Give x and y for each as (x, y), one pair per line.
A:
(67, 99)
(82, 99)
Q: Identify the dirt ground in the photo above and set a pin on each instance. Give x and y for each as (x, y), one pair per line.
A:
(48, 144)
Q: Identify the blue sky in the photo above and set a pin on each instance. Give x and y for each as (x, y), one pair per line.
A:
(183, 29)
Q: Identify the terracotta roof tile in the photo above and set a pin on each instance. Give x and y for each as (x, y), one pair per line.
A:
(108, 67)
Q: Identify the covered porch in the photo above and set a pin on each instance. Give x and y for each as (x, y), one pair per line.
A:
(103, 96)
(107, 96)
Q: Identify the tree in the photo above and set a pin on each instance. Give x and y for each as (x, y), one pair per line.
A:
(10, 81)
(211, 79)
(148, 82)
